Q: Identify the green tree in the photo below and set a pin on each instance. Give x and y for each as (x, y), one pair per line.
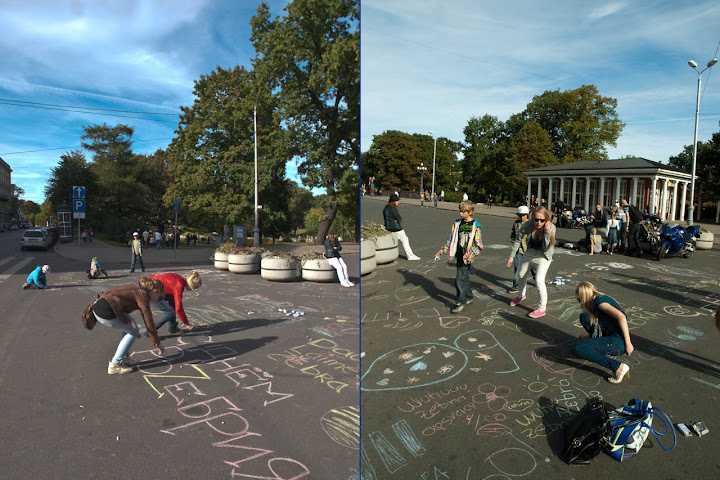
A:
(581, 123)
(447, 167)
(393, 159)
(299, 203)
(212, 157)
(311, 57)
(72, 169)
(528, 149)
(483, 161)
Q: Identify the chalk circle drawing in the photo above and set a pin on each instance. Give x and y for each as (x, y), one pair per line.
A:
(424, 360)
(342, 425)
(484, 341)
(664, 268)
(497, 247)
(572, 253)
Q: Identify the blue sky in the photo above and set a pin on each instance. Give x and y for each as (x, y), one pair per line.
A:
(140, 56)
(430, 65)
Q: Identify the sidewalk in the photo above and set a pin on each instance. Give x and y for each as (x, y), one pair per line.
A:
(508, 212)
(109, 254)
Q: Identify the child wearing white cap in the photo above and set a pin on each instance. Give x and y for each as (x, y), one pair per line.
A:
(136, 252)
(37, 279)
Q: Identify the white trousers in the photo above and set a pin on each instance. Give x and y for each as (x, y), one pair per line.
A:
(536, 258)
(339, 265)
(403, 238)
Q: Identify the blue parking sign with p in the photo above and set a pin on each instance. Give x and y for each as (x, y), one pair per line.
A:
(78, 205)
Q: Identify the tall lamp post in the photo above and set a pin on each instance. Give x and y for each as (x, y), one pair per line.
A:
(422, 169)
(432, 194)
(693, 65)
(256, 230)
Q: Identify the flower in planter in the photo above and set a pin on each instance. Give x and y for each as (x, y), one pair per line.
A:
(311, 255)
(277, 254)
(371, 231)
(248, 251)
(226, 247)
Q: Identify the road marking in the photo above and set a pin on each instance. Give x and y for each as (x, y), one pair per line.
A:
(5, 260)
(15, 268)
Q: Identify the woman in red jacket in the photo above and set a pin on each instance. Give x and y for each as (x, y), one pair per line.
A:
(175, 285)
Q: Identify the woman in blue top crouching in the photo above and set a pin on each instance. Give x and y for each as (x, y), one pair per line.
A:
(608, 335)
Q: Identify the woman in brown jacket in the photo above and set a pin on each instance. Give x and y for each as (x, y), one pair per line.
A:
(112, 309)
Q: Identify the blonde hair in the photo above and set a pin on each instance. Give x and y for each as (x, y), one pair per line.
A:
(193, 280)
(585, 293)
(545, 213)
(150, 285)
(593, 231)
(467, 206)
(94, 259)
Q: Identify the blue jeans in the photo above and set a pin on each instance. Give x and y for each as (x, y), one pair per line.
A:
(168, 309)
(129, 335)
(462, 283)
(597, 349)
(134, 257)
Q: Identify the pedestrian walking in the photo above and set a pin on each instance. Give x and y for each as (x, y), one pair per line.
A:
(332, 254)
(489, 200)
(172, 305)
(158, 240)
(393, 223)
(442, 195)
(146, 237)
(112, 309)
(91, 235)
(83, 235)
(523, 213)
(96, 269)
(136, 252)
(607, 330)
(464, 243)
(635, 218)
(37, 278)
(541, 245)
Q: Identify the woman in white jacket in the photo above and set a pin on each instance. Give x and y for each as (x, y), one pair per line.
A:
(541, 245)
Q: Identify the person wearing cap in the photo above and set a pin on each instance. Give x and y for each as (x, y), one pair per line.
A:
(175, 285)
(522, 212)
(136, 252)
(37, 279)
(393, 223)
(464, 243)
(332, 254)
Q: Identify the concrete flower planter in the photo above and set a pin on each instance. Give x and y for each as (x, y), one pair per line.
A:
(221, 260)
(368, 263)
(386, 249)
(318, 271)
(279, 269)
(244, 263)
(705, 242)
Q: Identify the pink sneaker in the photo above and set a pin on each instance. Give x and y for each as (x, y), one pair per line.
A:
(537, 313)
(516, 300)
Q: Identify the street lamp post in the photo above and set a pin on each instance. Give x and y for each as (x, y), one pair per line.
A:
(693, 65)
(432, 194)
(422, 169)
(256, 231)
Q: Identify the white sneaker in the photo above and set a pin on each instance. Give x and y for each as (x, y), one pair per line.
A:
(346, 284)
(414, 257)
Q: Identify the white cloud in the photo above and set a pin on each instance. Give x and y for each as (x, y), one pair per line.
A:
(605, 10)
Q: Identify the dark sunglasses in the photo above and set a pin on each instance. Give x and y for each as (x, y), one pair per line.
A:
(541, 220)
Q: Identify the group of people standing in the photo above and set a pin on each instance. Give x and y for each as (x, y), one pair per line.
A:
(533, 239)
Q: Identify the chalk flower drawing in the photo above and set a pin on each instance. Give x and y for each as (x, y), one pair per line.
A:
(407, 356)
(412, 380)
(483, 356)
(445, 369)
(472, 339)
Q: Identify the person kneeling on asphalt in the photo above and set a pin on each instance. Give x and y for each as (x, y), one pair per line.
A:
(37, 278)
(464, 243)
(112, 309)
(332, 254)
(175, 285)
(96, 269)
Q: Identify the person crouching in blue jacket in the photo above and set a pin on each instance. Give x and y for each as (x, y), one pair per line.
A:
(37, 278)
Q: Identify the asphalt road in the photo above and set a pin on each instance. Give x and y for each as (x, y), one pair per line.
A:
(265, 386)
(484, 394)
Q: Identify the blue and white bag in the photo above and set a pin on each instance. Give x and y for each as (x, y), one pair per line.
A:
(631, 425)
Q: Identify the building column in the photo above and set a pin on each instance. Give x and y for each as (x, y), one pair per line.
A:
(601, 193)
(682, 202)
(586, 200)
(574, 193)
(673, 207)
(538, 197)
(562, 186)
(663, 199)
(653, 187)
(633, 192)
(550, 192)
(616, 193)
(529, 190)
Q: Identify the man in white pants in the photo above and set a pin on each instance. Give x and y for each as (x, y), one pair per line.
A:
(393, 224)
(332, 254)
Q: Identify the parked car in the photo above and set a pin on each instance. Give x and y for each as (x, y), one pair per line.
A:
(35, 238)
(53, 232)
